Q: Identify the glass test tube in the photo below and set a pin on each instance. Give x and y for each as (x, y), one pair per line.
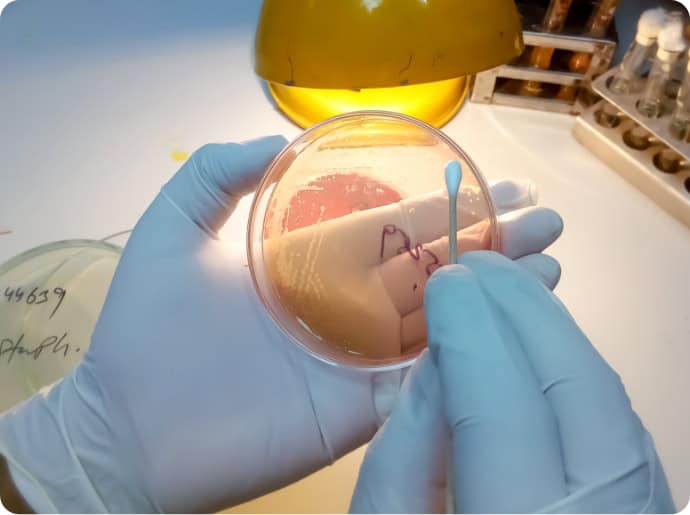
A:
(636, 56)
(671, 44)
(597, 26)
(650, 103)
(540, 57)
(630, 68)
(634, 61)
(680, 122)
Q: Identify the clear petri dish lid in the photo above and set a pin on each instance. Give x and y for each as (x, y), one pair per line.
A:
(50, 299)
(348, 225)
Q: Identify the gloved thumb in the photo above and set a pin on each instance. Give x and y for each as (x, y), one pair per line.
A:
(208, 186)
(506, 450)
(404, 469)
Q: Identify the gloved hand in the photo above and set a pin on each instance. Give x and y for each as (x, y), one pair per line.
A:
(535, 419)
(190, 398)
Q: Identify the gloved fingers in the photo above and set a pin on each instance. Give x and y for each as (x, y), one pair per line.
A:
(509, 194)
(413, 325)
(424, 218)
(601, 436)
(523, 232)
(404, 469)
(637, 488)
(418, 220)
(543, 267)
(208, 186)
(406, 275)
(506, 450)
(528, 231)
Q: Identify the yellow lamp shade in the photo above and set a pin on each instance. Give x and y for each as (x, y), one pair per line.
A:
(325, 57)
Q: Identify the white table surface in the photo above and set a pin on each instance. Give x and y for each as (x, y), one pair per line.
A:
(94, 97)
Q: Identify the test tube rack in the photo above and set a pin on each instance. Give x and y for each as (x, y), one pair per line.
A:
(658, 165)
(497, 85)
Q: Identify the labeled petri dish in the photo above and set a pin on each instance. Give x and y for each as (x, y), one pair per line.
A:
(347, 226)
(50, 299)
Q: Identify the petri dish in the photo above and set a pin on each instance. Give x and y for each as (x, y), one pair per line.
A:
(347, 226)
(50, 299)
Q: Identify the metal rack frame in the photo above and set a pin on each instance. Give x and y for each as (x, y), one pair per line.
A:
(602, 50)
(671, 191)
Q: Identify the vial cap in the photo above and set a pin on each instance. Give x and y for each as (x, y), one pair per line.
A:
(671, 39)
(651, 23)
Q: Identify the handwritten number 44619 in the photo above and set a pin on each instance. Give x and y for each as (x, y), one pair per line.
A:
(35, 296)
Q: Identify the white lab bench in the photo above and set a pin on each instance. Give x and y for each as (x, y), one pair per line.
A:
(95, 97)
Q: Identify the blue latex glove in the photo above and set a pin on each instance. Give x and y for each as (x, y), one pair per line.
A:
(190, 398)
(535, 419)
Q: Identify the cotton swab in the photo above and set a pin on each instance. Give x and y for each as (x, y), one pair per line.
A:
(453, 179)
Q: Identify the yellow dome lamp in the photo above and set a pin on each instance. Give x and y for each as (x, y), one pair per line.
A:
(322, 58)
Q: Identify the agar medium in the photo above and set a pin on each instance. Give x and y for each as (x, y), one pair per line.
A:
(50, 299)
(346, 228)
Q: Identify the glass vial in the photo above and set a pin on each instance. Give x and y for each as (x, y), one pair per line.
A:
(680, 122)
(633, 63)
(670, 45)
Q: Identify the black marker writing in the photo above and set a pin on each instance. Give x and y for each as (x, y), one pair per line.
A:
(414, 252)
(35, 296)
(53, 344)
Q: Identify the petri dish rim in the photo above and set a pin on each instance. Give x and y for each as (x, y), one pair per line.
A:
(257, 214)
(53, 246)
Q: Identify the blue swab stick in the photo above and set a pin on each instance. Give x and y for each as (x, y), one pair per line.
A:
(453, 179)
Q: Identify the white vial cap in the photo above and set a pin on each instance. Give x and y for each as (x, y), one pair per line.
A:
(671, 39)
(650, 24)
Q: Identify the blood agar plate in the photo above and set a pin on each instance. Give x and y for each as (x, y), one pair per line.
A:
(347, 226)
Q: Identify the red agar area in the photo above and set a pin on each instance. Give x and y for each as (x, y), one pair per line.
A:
(336, 195)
